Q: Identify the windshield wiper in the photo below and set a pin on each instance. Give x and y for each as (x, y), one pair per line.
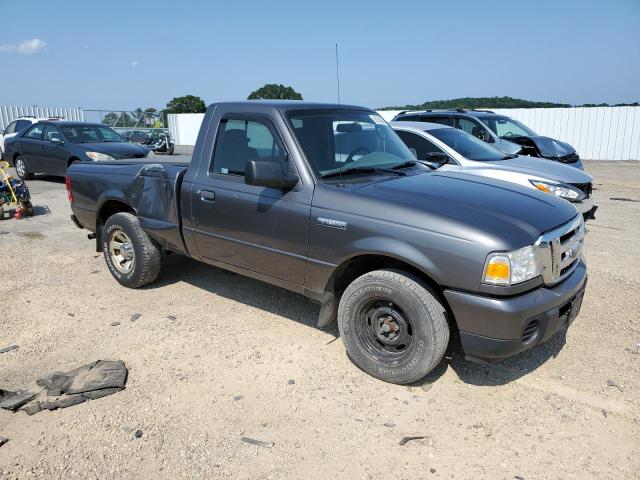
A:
(509, 156)
(351, 170)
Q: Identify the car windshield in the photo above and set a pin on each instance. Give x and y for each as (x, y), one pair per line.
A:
(335, 141)
(508, 127)
(90, 134)
(467, 145)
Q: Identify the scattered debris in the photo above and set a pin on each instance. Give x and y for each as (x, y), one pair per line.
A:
(408, 439)
(291, 382)
(115, 324)
(135, 316)
(518, 477)
(71, 314)
(389, 424)
(137, 434)
(61, 390)
(331, 341)
(604, 413)
(624, 199)
(3, 440)
(426, 387)
(171, 317)
(432, 470)
(259, 443)
(238, 397)
(8, 349)
(613, 383)
(4, 232)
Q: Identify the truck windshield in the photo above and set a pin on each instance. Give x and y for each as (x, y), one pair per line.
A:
(90, 134)
(508, 127)
(341, 140)
(467, 145)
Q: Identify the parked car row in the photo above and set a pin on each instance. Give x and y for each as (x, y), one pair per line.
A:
(404, 246)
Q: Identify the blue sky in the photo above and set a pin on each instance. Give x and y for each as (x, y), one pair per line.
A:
(125, 54)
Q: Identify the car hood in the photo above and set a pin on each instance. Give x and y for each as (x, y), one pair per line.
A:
(537, 167)
(550, 147)
(116, 149)
(500, 209)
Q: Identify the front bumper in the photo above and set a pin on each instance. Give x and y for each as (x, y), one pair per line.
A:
(586, 208)
(493, 328)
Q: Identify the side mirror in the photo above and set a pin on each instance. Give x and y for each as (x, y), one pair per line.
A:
(437, 157)
(268, 174)
(55, 139)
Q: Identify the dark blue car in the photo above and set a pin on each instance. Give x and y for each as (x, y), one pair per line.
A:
(50, 147)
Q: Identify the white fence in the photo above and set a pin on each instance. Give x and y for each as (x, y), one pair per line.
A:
(184, 127)
(9, 113)
(597, 133)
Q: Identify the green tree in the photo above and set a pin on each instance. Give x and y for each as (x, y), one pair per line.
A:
(479, 102)
(274, 91)
(186, 104)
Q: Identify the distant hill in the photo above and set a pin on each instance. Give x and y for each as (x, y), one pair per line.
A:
(493, 102)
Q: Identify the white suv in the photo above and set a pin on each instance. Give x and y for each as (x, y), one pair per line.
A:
(15, 127)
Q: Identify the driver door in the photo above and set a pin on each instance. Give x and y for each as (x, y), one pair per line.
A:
(260, 229)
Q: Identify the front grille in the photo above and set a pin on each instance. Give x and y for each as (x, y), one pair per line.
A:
(572, 158)
(560, 250)
(530, 331)
(586, 188)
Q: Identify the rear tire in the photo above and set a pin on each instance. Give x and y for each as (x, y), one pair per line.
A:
(393, 326)
(22, 170)
(132, 258)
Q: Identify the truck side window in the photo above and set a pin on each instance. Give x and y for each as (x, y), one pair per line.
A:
(421, 145)
(238, 142)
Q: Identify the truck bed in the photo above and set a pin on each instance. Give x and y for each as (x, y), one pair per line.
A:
(150, 188)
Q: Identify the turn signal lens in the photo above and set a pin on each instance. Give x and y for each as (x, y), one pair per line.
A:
(542, 186)
(498, 270)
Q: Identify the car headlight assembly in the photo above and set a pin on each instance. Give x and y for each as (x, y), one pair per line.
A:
(511, 268)
(99, 157)
(559, 190)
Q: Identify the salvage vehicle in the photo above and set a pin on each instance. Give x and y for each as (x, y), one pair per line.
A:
(325, 200)
(50, 147)
(18, 125)
(505, 133)
(455, 150)
(157, 140)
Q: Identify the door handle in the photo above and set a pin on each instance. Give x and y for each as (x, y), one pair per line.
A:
(207, 196)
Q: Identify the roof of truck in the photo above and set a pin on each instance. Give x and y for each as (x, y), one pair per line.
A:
(285, 105)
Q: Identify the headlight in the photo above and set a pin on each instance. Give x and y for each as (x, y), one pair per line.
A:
(97, 156)
(559, 190)
(510, 268)
(151, 154)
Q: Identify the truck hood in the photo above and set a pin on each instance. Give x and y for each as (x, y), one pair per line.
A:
(549, 147)
(499, 209)
(117, 150)
(537, 167)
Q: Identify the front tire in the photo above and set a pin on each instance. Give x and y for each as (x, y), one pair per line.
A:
(132, 258)
(393, 326)
(22, 170)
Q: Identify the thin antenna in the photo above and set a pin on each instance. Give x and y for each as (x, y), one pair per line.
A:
(338, 73)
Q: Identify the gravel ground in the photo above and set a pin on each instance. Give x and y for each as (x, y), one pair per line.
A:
(215, 356)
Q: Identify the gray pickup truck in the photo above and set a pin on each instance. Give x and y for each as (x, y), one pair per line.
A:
(327, 201)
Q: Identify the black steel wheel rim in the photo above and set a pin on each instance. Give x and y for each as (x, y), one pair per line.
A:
(384, 329)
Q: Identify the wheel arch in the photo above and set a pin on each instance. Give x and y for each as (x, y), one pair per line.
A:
(106, 209)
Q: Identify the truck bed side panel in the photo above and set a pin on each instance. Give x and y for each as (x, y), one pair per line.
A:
(149, 189)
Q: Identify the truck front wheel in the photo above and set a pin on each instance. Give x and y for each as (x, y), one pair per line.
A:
(132, 258)
(393, 326)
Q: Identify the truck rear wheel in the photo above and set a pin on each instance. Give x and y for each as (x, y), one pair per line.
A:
(132, 258)
(393, 326)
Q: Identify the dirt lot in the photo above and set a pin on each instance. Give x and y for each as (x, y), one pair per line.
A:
(216, 356)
